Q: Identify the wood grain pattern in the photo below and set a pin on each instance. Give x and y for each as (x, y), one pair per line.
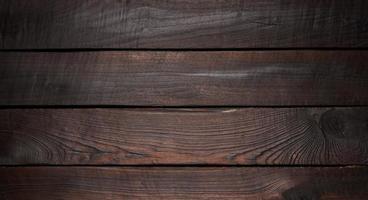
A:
(282, 78)
(77, 183)
(248, 136)
(183, 24)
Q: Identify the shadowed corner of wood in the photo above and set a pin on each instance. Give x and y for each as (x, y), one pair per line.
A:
(319, 186)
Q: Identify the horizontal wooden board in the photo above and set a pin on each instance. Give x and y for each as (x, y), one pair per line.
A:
(248, 136)
(183, 24)
(90, 183)
(166, 78)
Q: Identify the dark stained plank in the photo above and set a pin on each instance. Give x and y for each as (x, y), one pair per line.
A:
(183, 24)
(248, 136)
(166, 78)
(113, 183)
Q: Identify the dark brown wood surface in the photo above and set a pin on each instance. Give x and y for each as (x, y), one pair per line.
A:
(183, 99)
(35, 24)
(282, 78)
(113, 183)
(249, 136)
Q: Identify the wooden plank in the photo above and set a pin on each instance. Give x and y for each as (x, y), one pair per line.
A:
(183, 24)
(78, 183)
(190, 78)
(248, 136)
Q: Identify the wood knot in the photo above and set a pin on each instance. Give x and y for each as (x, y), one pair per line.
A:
(345, 123)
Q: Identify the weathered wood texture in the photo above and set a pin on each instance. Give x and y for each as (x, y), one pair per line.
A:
(183, 24)
(163, 78)
(249, 136)
(90, 183)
